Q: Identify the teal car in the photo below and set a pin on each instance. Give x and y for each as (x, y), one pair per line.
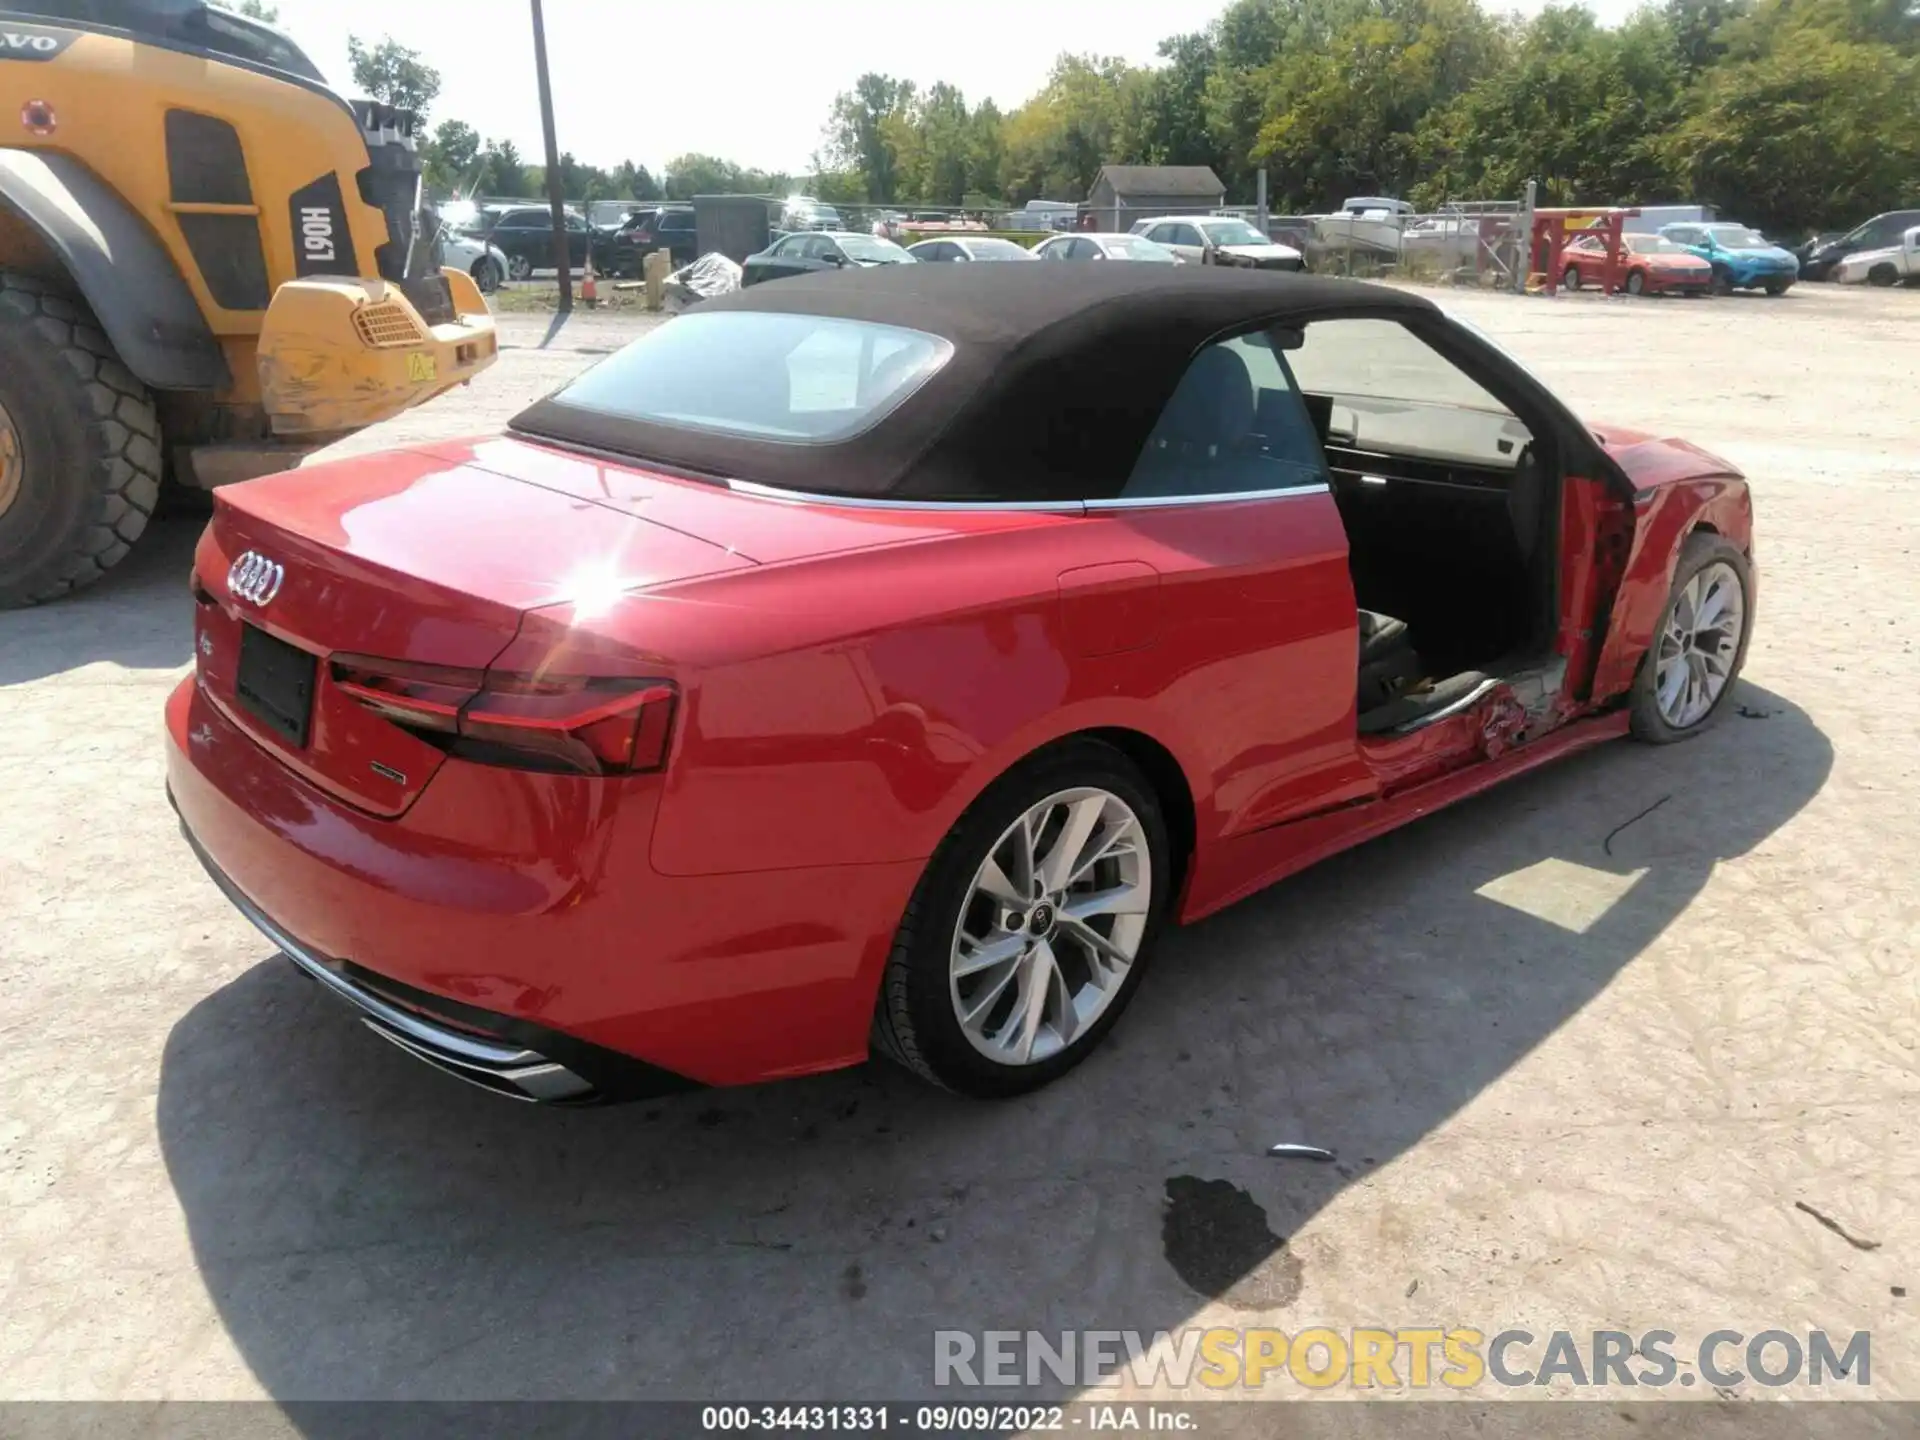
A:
(1742, 259)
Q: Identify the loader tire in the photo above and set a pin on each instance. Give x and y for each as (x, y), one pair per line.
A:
(80, 445)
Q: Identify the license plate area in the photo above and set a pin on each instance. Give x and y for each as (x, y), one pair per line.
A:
(274, 684)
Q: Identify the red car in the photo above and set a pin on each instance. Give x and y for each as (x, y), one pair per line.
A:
(1650, 265)
(881, 660)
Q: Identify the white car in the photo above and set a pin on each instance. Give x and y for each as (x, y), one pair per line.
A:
(969, 247)
(1218, 240)
(1887, 266)
(1104, 246)
(483, 261)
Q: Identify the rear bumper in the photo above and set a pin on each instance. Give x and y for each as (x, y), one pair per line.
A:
(479, 1053)
(514, 922)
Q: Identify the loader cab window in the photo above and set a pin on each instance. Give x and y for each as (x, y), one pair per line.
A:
(187, 25)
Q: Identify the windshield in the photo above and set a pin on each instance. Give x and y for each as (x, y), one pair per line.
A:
(873, 248)
(796, 378)
(998, 250)
(1133, 247)
(1233, 232)
(1738, 237)
(1653, 245)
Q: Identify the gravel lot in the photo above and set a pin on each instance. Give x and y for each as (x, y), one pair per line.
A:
(1572, 1083)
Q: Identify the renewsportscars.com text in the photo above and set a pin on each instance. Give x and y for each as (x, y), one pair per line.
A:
(1456, 1358)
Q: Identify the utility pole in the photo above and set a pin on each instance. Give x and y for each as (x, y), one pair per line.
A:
(556, 190)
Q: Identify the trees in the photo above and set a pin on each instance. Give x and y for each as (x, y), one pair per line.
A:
(504, 173)
(450, 160)
(1818, 132)
(393, 74)
(1090, 113)
(1576, 107)
(256, 10)
(865, 128)
(1784, 113)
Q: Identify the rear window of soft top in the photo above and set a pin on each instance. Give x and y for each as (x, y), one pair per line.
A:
(799, 379)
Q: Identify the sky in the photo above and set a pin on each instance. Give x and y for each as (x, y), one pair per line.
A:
(747, 80)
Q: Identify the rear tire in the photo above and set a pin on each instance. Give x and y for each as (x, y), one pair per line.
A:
(1662, 724)
(86, 475)
(1883, 275)
(519, 268)
(1722, 281)
(486, 275)
(1777, 287)
(917, 1022)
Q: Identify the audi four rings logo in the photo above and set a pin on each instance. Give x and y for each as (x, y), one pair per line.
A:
(254, 577)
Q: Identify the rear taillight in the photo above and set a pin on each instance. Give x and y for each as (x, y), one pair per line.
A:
(586, 725)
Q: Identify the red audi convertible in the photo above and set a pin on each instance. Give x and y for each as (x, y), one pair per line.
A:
(879, 661)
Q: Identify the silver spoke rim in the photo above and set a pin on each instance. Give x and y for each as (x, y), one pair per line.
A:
(1693, 658)
(1050, 926)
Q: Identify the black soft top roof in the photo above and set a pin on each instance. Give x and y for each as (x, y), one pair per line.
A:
(1058, 374)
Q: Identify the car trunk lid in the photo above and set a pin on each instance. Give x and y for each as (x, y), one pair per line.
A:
(399, 557)
(763, 527)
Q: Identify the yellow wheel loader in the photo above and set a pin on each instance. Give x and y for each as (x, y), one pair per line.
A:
(210, 265)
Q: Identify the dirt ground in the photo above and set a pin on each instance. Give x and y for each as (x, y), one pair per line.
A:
(1577, 1076)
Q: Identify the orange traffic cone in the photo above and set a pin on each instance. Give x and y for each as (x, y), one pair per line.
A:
(589, 291)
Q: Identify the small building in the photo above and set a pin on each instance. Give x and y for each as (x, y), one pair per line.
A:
(1122, 194)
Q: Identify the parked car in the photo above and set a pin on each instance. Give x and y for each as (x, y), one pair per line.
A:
(654, 227)
(1650, 265)
(524, 234)
(803, 212)
(812, 250)
(969, 247)
(1741, 259)
(1892, 265)
(1819, 257)
(1218, 240)
(485, 262)
(888, 664)
(1104, 245)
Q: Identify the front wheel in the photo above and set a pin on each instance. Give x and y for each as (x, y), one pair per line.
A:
(1030, 930)
(79, 446)
(519, 267)
(1722, 281)
(1636, 282)
(486, 274)
(1571, 280)
(1700, 646)
(1777, 287)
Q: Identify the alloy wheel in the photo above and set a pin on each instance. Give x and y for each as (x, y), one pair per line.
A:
(1636, 282)
(12, 463)
(1051, 926)
(519, 268)
(1699, 645)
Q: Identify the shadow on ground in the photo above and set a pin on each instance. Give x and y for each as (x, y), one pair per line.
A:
(368, 1228)
(139, 614)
